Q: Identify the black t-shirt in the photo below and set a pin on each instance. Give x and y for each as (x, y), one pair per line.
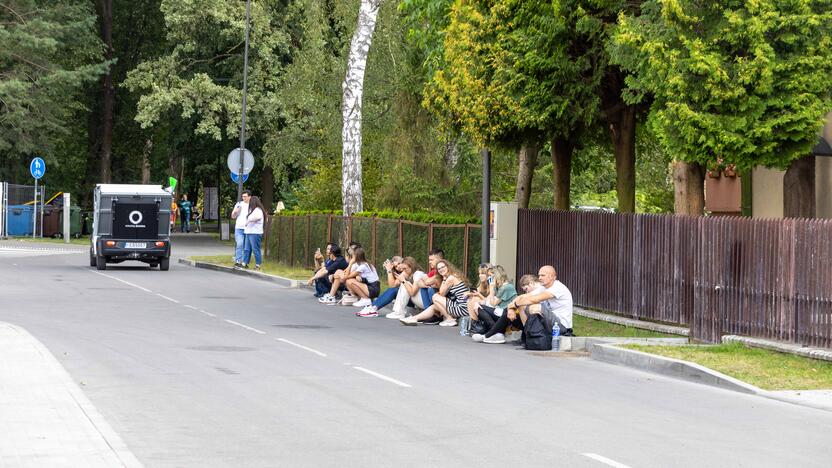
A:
(338, 264)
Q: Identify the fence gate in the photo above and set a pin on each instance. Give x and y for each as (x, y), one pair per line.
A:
(17, 210)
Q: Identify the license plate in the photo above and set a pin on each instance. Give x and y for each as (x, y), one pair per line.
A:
(135, 245)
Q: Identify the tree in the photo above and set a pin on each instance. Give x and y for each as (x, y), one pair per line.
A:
(199, 80)
(503, 61)
(351, 189)
(740, 81)
(48, 51)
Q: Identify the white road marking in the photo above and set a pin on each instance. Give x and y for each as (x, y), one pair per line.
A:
(245, 326)
(301, 347)
(191, 307)
(605, 460)
(207, 313)
(125, 282)
(382, 377)
(167, 298)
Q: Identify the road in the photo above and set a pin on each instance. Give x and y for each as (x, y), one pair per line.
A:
(199, 368)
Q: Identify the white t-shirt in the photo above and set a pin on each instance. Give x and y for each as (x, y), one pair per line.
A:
(365, 271)
(241, 217)
(417, 275)
(254, 222)
(561, 303)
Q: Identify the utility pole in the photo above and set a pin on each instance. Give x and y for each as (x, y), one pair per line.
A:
(245, 90)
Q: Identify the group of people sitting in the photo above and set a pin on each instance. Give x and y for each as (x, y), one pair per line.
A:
(441, 295)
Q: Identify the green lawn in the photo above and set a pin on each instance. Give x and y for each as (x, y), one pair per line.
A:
(84, 240)
(768, 370)
(584, 326)
(267, 267)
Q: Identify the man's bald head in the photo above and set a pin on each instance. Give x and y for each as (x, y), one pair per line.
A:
(547, 275)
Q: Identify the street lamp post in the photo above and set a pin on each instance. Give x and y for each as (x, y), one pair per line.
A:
(245, 90)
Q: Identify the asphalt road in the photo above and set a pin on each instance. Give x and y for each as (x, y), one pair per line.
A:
(199, 368)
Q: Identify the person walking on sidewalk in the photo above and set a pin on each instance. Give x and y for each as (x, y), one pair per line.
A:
(240, 213)
(254, 232)
(185, 207)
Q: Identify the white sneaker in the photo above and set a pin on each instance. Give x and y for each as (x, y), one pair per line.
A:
(448, 323)
(323, 299)
(362, 302)
(497, 338)
(328, 300)
(396, 315)
(409, 321)
(368, 312)
(477, 337)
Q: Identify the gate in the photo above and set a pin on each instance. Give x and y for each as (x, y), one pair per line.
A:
(17, 210)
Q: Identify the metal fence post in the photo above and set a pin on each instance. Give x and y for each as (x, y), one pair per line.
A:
(466, 232)
(401, 239)
(373, 240)
(292, 244)
(430, 236)
(308, 236)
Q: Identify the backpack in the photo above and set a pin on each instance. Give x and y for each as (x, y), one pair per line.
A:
(537, 334)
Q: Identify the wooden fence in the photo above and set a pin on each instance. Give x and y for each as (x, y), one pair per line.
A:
(292, 240)
(762, 278)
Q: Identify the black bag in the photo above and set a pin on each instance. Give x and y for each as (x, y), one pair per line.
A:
(537, 333)
(478, 327)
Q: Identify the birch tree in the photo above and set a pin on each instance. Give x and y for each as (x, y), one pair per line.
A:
(353, 87)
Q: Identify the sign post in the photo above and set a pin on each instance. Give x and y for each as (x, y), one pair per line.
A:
(67, 212)
(37, 168)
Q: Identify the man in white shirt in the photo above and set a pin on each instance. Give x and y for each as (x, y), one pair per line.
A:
(240, 214)
(556, 298)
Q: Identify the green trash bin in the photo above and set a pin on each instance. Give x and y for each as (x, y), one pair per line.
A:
(75, 228)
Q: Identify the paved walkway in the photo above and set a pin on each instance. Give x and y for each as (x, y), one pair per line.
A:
(45, 419)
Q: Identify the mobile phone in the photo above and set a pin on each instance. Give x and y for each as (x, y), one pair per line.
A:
(490, 279)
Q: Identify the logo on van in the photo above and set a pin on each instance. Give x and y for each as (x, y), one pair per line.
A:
(135, 217)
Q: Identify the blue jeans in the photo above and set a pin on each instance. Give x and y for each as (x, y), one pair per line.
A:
(386, 297)
(427, 296)
(323, 285)
(253, 244)
(186, 221)
(240, 239)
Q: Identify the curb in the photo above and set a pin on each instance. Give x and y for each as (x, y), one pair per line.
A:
(676, 368)
(603, 350)
(285, 282)
(110, 437)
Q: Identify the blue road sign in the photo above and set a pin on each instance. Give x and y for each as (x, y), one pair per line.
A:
(235, 177)
(37, 168)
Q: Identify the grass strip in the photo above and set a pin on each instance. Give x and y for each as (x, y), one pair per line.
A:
(84, 240)
(585, 326)
(269, 268)
(765, 369)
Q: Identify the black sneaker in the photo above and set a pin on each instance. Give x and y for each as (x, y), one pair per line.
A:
(432, 321)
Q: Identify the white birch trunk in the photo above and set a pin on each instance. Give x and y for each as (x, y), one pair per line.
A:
(351, 191)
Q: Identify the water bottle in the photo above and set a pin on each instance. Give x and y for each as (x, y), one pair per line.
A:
(556, 337)
(464, 323)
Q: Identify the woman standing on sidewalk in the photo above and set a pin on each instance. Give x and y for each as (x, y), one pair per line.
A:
(254, 232)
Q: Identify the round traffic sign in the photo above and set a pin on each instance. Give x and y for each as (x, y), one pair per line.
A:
(234, 161)
(37, 168)
(235, 179)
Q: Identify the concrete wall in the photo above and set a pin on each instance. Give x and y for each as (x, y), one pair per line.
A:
(767, 193)
(503, 244)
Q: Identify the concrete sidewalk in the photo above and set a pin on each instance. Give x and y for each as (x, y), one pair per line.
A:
(45, 418)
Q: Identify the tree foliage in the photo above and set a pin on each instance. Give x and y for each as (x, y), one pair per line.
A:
(49, 50)
(741, 80)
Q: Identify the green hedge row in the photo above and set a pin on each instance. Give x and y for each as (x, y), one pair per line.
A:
(423, 217)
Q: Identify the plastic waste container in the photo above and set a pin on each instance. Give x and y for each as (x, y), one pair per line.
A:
(20, 220)
(74, 221)
(51, 221)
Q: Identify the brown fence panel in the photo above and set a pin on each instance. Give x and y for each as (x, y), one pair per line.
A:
(762, 278)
